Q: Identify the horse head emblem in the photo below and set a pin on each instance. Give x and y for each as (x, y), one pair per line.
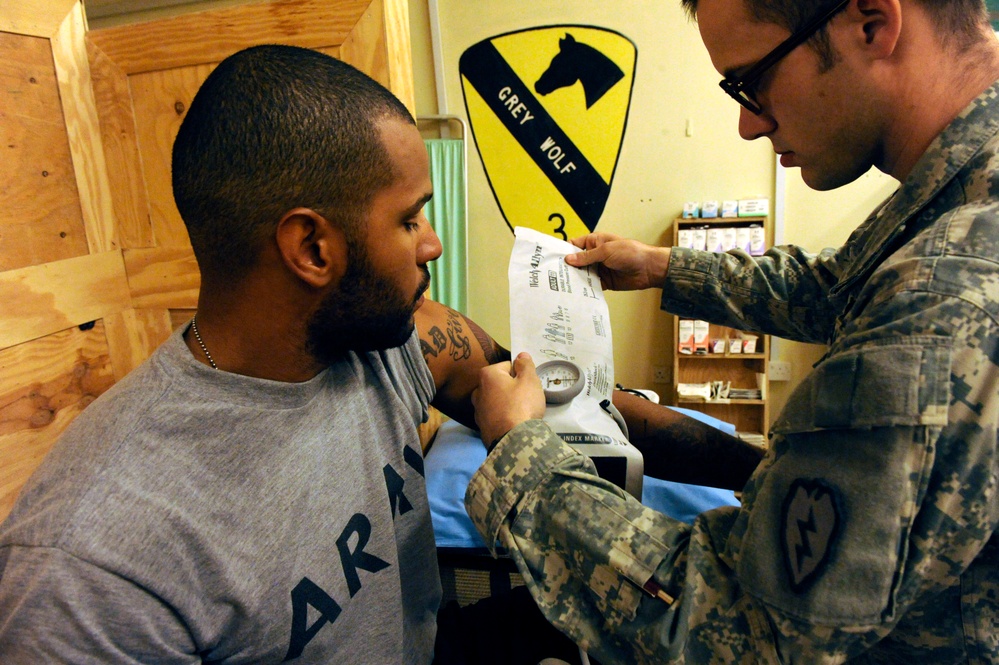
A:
(574, 62)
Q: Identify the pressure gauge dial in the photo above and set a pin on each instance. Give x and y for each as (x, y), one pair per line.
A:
(561, 380)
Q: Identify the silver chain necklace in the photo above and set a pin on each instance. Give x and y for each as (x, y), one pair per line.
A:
(197, 336)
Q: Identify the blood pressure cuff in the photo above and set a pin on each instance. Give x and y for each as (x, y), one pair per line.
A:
(558, 312)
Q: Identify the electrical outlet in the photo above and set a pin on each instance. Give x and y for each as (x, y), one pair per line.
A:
(780, 371)
(659, 374)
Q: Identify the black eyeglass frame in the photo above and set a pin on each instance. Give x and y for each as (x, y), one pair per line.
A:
(740, 88)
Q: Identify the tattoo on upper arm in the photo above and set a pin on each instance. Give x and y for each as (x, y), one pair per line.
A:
(452, 339)
(459, 348)
(436, 343)
(455, 341)
(489, 347)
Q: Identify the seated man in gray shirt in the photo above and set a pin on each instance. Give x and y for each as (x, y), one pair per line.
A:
(254, 492)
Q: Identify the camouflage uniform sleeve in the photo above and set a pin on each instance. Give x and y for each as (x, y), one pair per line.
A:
(612, 574)
(784, 292)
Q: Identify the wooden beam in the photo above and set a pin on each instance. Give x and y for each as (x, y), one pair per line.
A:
(163, 277)
(40, 300)
(379, 45)
(365, 46)
(69, 53)
(38, 18)
(210, 36)
(400, 52)
(121, 150)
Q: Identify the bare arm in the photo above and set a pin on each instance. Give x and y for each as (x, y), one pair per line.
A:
(684, 450)
(455, 349)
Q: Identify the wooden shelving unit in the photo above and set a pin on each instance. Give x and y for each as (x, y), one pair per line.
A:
(741, 370)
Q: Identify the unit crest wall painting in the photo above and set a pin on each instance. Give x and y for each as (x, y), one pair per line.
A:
(548, 108)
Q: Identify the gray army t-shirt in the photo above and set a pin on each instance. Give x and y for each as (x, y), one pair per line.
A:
(192, 515)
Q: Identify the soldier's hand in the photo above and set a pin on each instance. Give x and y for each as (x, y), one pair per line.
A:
(623, 265)
(508, 394)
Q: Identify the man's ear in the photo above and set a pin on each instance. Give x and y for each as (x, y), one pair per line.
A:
(879, 23)
(311, 247)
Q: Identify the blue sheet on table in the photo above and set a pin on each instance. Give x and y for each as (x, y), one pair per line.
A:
(458, 452)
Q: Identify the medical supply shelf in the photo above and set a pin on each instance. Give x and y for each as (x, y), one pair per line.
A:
(751, 417)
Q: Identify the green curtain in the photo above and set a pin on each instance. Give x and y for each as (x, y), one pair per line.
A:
(446, 213)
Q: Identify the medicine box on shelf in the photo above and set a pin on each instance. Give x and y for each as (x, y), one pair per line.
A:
(706, 354)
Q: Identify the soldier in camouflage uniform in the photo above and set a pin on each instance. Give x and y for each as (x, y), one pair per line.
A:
(868, 533)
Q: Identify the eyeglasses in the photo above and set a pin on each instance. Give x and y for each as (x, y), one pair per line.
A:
(743, 88)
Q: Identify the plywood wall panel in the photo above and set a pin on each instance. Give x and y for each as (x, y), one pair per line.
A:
(39, 300)
(88, 231)
(159, 101)
(121, 150)
(180, 317)
(44, 384)
(211, 36)
(29, 82)
(163, 277)
(133, 335)
(40, 219)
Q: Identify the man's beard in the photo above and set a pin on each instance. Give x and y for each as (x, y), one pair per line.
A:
(365, 313)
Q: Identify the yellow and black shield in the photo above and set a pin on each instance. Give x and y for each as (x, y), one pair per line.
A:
(548, 108)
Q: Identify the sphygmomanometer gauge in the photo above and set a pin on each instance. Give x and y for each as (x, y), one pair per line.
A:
(561, 380)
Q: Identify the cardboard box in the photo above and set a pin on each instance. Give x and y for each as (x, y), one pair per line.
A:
(686, 341)
(701, 329)
(715, 239)
(685, 238)
(742, 238)
(754, 207)
(729, 238)
(700, 238)
(757, 240)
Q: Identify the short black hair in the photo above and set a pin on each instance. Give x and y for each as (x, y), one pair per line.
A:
(273, 128)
